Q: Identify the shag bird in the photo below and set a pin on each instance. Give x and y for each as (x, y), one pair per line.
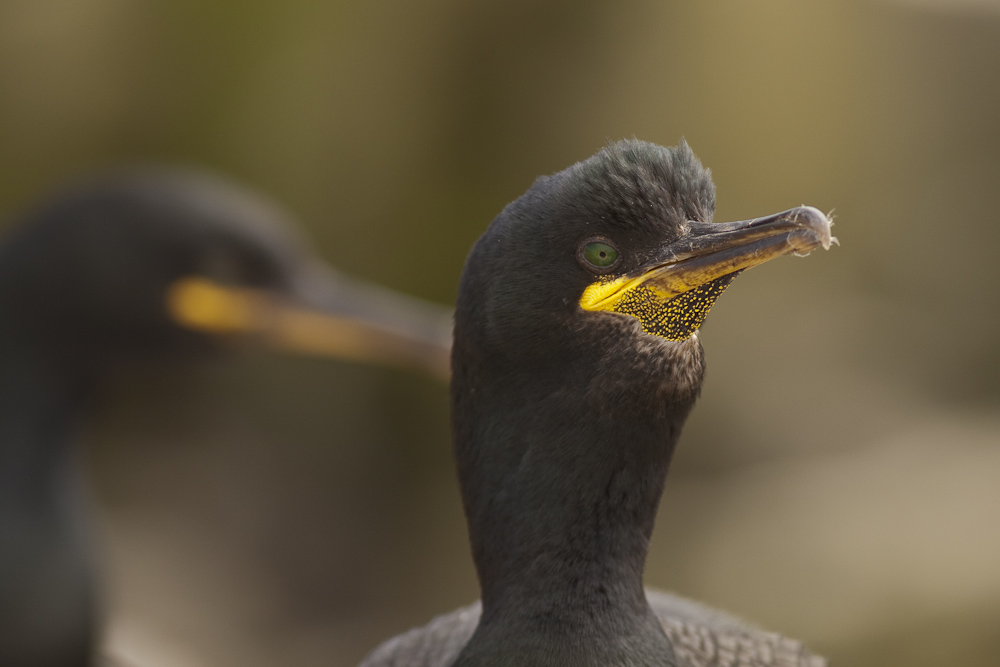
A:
(159, 263)
(575, 363)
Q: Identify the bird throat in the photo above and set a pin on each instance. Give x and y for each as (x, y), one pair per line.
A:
(673, 319)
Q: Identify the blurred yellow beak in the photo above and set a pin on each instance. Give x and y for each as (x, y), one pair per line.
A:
(209, 307)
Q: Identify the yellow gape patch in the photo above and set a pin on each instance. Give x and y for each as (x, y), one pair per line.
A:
(202, 305)
(662, 313)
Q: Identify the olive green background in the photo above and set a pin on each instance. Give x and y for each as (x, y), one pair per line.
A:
(839, 481)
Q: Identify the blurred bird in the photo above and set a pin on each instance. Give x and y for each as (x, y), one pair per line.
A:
(159, 263)
(576, 361)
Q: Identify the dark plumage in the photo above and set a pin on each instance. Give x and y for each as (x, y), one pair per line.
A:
(103, 275)
(576, 361)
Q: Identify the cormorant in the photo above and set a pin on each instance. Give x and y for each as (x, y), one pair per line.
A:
(575, 363)
(156, 263)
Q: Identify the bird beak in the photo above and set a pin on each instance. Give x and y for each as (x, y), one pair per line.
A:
(672, 294)
(324, 315)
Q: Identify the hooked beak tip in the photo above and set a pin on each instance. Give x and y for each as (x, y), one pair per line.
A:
(814, 229)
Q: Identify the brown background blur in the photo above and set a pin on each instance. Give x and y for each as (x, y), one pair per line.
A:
(838, 482)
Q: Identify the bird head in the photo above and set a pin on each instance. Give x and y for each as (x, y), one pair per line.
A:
(616, 260)
(164, 262)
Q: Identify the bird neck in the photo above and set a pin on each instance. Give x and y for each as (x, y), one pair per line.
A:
(561, 476)
(47, 597)
(38, 415)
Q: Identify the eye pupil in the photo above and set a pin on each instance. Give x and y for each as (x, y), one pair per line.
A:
(600, 255)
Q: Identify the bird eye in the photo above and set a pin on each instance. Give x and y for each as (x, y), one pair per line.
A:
(600, 255)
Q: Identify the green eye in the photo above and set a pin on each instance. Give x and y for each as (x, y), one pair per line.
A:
(600, 254)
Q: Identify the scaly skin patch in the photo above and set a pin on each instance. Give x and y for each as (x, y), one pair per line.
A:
(673, 319)
(662, 313)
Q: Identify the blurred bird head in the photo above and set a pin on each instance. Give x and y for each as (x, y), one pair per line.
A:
(166, 262)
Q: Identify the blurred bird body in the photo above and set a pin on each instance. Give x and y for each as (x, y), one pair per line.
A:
(160, 264)
(575, 364)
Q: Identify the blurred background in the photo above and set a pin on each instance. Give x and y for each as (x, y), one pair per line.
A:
(839, 481)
